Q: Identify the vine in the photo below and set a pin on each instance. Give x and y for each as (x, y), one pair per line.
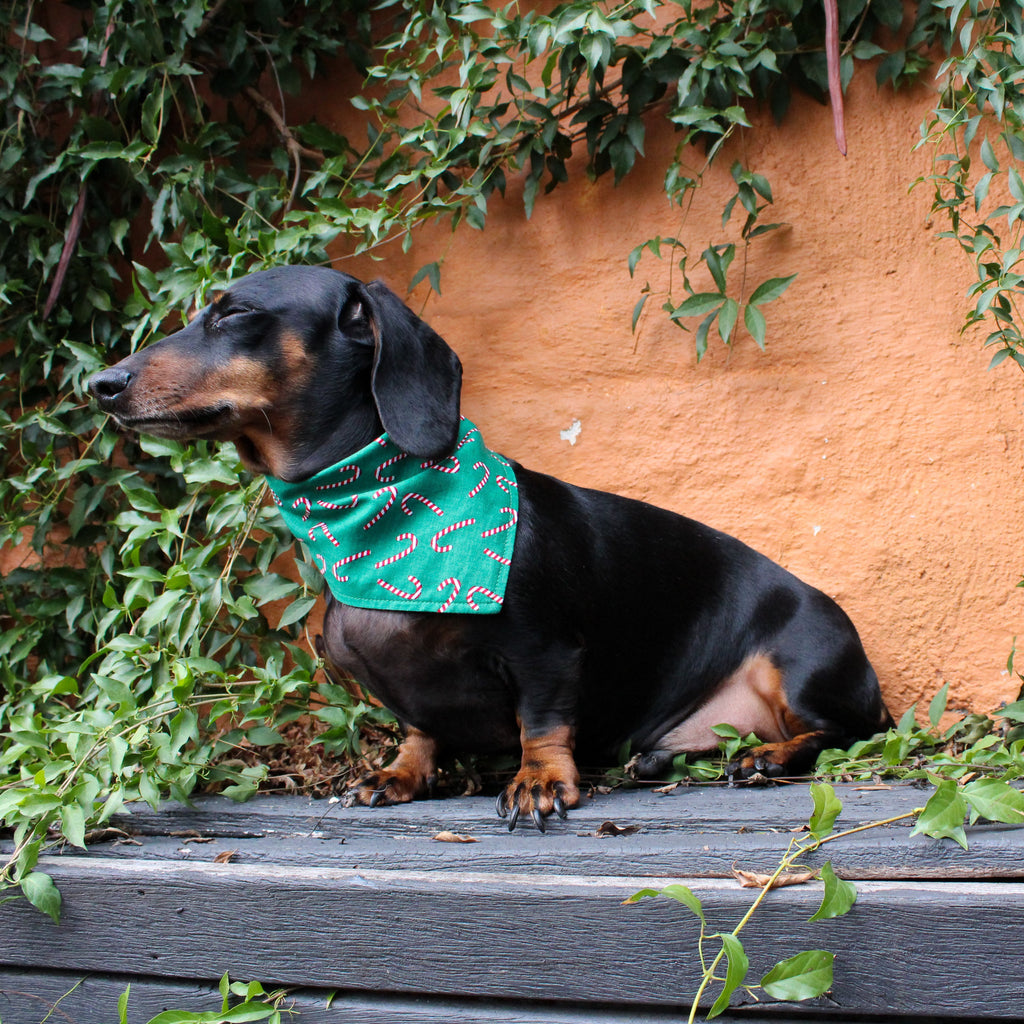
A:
(148, 153)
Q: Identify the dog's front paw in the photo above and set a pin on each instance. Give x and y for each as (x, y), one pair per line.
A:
(537, 794)
(389, 786)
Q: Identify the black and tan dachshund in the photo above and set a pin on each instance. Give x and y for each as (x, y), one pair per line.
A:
(620, 622)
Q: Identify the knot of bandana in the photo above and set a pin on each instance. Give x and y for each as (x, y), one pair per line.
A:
(392, 531)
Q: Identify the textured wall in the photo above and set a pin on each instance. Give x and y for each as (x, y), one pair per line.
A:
(868, 450)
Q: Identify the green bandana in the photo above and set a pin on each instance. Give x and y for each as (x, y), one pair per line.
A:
(389, 530)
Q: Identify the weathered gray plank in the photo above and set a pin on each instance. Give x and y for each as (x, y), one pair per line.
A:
(27, 998)
(696, 832)
(907, 948)
(885, 853)
(710, 808)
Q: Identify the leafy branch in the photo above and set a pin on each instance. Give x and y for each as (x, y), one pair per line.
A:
(809, 974)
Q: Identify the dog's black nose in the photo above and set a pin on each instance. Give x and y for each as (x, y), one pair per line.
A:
(106, 385)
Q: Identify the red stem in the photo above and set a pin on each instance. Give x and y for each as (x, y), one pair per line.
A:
(835, 86)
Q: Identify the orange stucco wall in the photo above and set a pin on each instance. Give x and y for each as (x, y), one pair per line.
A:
(868, 449)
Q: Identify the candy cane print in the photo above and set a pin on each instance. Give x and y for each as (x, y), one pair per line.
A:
(401, 554)
(504, 526)
(327, 533)
(342, 483)
(419, 497)
(337, 508)
(440, 467)
(456, 586)
(376, 494)
(384, 465)
(503, 482)
(345, 561)
(498, 558)
(319, 559)
(481, 590)
(465, 440)
(305, 503)
(487, 476)
(417, 589)
(442, 548)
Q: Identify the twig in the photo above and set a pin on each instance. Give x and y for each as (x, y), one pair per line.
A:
(291, 143)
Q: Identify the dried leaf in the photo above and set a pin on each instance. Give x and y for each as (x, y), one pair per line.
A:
(609, 828)
(753, 880)
(225, 857)
(666, 789)
(454, 837)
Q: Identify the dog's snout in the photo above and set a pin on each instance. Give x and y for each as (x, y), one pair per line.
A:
(106, 385)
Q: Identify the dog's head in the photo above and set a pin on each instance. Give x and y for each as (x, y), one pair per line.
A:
(299, 366)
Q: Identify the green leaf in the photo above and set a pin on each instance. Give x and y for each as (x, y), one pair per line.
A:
(72, 819)
(727, 319)
(698, 305)
(432, 273)
(937, 707)
(839, 895)
(756, 324)
(122, 1005)
(736, 972)
(771, 289)
(40, 891)
(804, 976)
(682, 894)
(1016, 185)
(943, 814)
(995, 800)
(638, 309)
(827, 807)
(988, 155)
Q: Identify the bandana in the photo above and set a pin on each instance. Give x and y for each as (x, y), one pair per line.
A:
(389, 530)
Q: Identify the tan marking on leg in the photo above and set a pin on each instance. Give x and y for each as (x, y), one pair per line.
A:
(548, 773)
(751, 700)
(406, 778)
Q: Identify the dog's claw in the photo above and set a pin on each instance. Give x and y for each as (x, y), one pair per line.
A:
(378, 795)
(560, 808)
(500, 806)
(513, 818)
(538, 820)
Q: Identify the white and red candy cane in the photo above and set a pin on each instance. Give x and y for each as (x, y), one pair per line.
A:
(456, 586)
(487, 476)
(498, 558)
(384, 465)
(305, 503)
(417, 589)
(342, 483)
(442, 548)
(440, 466)
(401, 554)
(345, 561)
(465, 439)
(338, 508)
(393, 491)
(504, 483)
(327, 533)
(413, 496)
(481, 590)
(504, 526)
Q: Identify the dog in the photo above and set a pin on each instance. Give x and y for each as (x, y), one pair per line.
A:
(618, 622)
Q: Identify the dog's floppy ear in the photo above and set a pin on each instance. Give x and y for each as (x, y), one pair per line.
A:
(417, 378)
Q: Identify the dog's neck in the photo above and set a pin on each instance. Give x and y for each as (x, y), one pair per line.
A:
(298, 449)
(392, 531)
